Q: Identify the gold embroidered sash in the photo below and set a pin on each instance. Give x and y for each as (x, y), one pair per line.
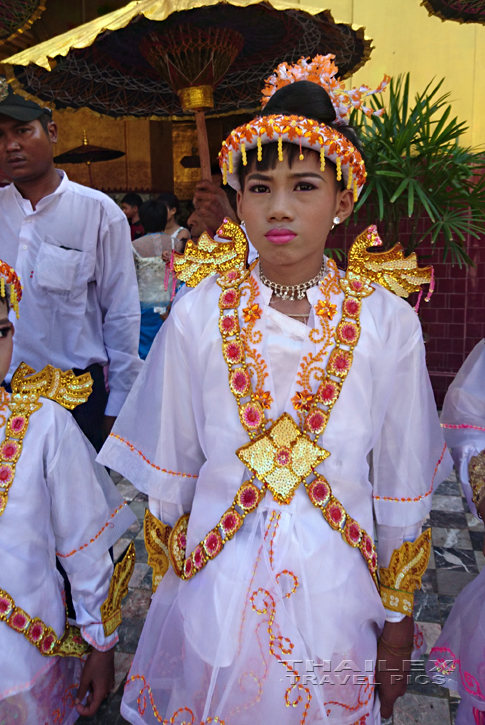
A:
(283, 456)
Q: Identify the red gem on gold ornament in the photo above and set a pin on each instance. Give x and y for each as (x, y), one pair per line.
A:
(335, 515)
(283, 456)
(233, 352)
(229, 325)
(248, 497)
(229, 299)
(240, 382)
(213, 543)
(251, 416)
(328, 392)
(339, 362)
(316, 422)
(351, 307)
(348, 333)
(319, 492)
(230, 523)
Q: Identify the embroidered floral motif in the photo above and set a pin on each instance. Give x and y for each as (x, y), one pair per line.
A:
(38, 633)
(253, 313)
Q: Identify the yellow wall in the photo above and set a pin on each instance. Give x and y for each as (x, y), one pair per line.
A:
(407, 38)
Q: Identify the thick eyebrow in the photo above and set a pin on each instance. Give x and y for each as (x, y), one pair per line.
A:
(257, 176)
(5, 321)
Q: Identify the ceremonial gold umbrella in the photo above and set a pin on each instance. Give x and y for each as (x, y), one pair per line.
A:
(16, 16)
(88, 154)
(167, 58)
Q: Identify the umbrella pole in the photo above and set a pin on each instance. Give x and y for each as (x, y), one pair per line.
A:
(88, 164)
(204, 155)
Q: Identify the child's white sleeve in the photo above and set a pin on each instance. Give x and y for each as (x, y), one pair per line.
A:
(88, 516)
(155, 440)
(410, 458)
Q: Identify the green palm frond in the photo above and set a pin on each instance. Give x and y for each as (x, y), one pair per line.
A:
(417, 168)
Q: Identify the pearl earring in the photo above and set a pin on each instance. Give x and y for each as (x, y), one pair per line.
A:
(336, 220)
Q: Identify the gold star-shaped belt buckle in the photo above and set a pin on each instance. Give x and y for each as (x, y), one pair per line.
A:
(282, 458)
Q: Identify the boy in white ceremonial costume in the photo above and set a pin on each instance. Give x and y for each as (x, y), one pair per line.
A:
(54, 499)
(282, 408)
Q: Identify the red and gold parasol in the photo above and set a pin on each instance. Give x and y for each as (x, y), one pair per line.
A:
(159, 59)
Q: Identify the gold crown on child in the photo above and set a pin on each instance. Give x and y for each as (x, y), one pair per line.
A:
(305, 132)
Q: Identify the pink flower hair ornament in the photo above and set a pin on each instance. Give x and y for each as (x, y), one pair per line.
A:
(305, 132)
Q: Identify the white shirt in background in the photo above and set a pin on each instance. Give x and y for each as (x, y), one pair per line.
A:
(80, 297)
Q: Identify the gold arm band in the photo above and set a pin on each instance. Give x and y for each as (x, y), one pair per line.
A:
(156, 543)
(397, 601)
(403, 575)
(118, 588)
(476, 474)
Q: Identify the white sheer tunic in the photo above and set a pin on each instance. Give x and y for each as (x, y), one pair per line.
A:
(463, 417)
(61, 501)
(287, 586)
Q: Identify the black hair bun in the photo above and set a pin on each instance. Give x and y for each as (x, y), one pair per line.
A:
(302, 98)
(305, 98)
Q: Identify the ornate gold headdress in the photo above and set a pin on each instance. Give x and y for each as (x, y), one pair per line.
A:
(8, 276)
(304, 131)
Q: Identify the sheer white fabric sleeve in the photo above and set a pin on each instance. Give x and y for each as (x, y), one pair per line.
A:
(88, 516)
(390, 538)
(155, 441)
(463, 416)
(410, 458)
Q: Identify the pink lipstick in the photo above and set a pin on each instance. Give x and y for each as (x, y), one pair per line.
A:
(280, 236)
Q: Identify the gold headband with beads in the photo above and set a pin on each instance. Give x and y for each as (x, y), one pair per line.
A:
(8, 276)
(306, 132)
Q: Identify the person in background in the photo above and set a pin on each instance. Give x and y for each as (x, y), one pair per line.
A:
(71, 247)
(457, 660)
(212, 203)
(56, 499)
(156, 283)
(173, 228)
(130, 206)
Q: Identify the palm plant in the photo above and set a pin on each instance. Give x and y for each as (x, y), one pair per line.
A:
(418, 169)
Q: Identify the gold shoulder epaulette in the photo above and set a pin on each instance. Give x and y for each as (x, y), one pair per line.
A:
(403, 575)
(118, 588)
(392, 270)
(209, 257)
(156, 543)
(66, 388)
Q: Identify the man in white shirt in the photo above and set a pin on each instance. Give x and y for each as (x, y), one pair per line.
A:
(71, 247)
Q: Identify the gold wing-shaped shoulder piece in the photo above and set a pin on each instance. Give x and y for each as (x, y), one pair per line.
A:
(408, 564)
(392, 270)
(66, 388)
(156, 543)
(209, 257)
(118, 588)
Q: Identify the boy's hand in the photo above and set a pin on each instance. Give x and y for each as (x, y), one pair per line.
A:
(98, 678)
(391, 673)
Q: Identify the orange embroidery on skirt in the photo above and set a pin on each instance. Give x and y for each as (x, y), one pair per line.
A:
(142, 706)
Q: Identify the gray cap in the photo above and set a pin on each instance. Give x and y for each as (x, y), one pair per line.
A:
(19, 107)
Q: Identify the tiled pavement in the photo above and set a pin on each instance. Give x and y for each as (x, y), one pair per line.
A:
(456, 560)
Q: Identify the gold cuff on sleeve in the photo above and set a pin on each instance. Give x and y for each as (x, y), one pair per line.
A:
(403, 575)
(476, 474)
(118, 588)
(156, 543)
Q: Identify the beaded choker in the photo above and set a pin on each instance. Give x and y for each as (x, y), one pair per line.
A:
(293, 291)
